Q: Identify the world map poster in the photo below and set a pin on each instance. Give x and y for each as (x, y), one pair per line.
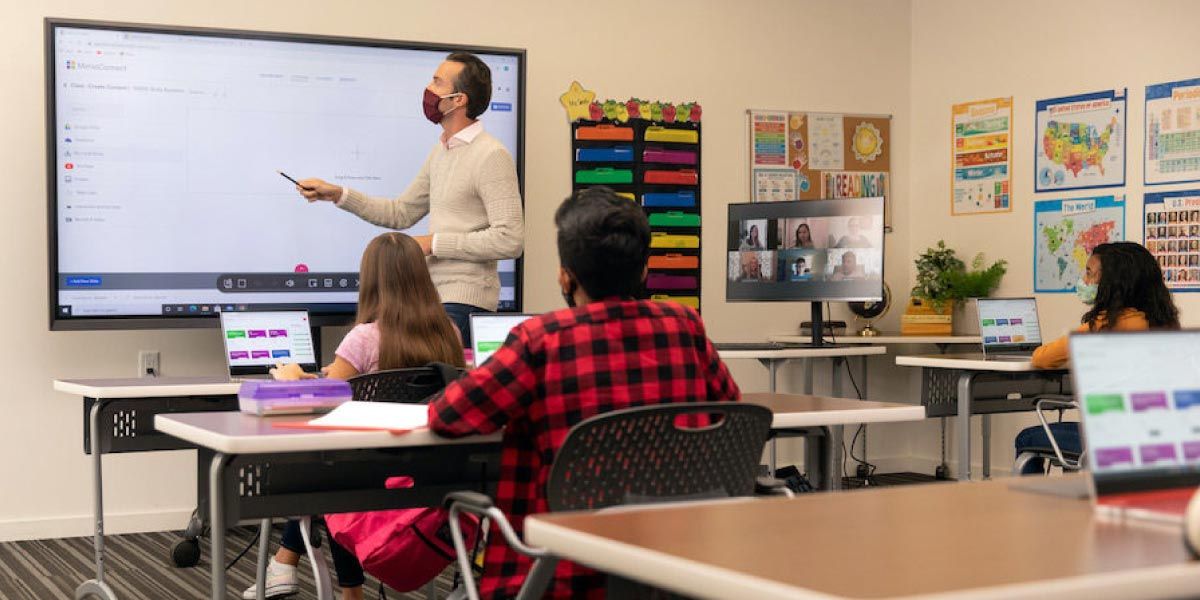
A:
(1066, 231)
(1080, 142)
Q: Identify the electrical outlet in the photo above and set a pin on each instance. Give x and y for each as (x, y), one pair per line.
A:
(148, 365)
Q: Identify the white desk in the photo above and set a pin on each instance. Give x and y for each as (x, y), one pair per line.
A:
(970, 368)
(117, 418)
(242, 451)
(885, 340)
(772, 358)
(800, 413)
(975, 541)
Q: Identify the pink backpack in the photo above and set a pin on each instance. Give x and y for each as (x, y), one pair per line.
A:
(403, 548)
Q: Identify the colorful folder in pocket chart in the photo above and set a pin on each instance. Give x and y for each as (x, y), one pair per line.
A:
(605, 132)
(667, 240)
(604, 175)
(661, 281)
(669, 200)
(671, 157)
(655, 133)
(674, 218)
(628, 195)
(689, 301)
(684, 177)
(613, 154)
(674, 261)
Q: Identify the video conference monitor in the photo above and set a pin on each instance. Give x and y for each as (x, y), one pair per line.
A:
(165, 206)
(805, 251)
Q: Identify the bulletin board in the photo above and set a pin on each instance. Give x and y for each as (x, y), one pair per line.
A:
(813, 156)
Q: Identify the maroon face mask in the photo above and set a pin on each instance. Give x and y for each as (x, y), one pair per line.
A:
(430, 104)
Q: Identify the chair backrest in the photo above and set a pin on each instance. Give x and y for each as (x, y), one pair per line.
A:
(407, 386)
(644, 454)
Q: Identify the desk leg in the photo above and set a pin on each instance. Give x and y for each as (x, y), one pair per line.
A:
(97, 587)
(986, 426)
(833, 465)
(772, 368)
(216, 508)
(966, 384)
(808, 376)
(264, 546)
(862, 395)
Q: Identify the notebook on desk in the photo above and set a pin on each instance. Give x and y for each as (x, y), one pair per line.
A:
(256, 341)
(1139, 397)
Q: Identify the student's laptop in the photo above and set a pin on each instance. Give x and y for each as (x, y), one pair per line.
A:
(1139, 396)
(1009, 328)
(488, 332)
(256, 341)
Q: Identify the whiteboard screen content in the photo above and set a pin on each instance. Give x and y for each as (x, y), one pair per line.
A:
(163, 145)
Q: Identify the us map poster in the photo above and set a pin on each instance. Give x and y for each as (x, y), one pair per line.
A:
(1172, 150)
(1171, 222)
(828, 155)
(1080, 142)
(981, 162)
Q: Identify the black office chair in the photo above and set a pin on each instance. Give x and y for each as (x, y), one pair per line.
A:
(634, 456)
(1054, 455)
(407, 386)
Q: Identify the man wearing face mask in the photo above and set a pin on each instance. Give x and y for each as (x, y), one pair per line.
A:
(468, 187)
(610, 350)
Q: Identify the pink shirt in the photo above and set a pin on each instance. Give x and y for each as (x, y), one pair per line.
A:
(360, 348)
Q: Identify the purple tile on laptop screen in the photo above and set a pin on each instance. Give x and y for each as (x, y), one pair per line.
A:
(238, 354)
(1144, 401)
(256, 333)
(1191, 451)
(1107, 457)
(1155, 453)
(260, 354)
(277, 332)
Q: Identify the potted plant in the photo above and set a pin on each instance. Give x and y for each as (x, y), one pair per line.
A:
(943, 283)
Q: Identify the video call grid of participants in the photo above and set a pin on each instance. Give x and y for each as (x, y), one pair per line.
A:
(1173, 237)
(842, 248)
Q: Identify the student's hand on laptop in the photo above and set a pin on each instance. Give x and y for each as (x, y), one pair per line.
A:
(318, 189)
(290, 372)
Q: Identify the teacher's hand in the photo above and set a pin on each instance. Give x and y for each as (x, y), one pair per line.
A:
(426, 243)
(317, 189)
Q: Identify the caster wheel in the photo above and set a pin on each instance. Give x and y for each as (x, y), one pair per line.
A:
(186, 553)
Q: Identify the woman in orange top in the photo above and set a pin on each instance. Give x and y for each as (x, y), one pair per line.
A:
(1122, 279)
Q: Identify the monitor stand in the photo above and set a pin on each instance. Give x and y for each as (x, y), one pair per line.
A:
(818, 330)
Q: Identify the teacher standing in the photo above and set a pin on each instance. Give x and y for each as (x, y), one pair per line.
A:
(468, 187)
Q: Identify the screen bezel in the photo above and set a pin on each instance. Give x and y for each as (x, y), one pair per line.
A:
(775, 210)
(1138, 480)
(327, 316)
(240, 371)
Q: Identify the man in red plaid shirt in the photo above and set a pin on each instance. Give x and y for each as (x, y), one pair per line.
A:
(608, 351)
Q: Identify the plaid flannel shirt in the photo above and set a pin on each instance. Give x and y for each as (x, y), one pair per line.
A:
(556, 370)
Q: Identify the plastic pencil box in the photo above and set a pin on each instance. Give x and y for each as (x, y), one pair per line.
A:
(306, 396)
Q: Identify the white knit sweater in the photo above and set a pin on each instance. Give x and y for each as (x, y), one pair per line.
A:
(473, 200)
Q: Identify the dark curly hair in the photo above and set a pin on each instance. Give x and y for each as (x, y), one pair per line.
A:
(1130, 278)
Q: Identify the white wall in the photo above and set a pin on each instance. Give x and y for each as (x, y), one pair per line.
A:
(1030, 50)
(833, 55)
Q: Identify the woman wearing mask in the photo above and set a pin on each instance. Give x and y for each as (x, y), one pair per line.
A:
(1123, 286)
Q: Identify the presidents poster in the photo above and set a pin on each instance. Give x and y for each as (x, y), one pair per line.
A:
(1171, 222)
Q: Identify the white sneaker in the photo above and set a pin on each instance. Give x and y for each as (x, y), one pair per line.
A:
(282, 580)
